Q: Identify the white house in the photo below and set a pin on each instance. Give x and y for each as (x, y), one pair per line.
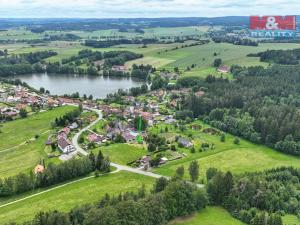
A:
(65, 146)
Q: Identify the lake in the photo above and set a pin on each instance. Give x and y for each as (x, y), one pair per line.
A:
(59, 84)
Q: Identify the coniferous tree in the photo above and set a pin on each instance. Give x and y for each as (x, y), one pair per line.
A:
(194, 170)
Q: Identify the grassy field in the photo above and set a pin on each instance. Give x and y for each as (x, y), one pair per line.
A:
(158, 55)
(18, 131)
(67, 197)
(291, 220)
(245, 157)
(203, 55)
(208, 216)
(123, 153)
(16, 155)
(23, 34)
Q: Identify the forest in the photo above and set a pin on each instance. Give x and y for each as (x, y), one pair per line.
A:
(287, 57)
(261, 105)
(258, 198)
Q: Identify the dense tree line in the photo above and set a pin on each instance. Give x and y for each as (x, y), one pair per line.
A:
(109, 43)
(84, 54)
(119, 57)
(167, 201)
(61, 37)
(141, 71)
(287, 57)
(22, 64)
(34, 57)
(234, 40)
(261, 105)
(53, 174)
(33, 63)
(259, 198)
(135, 91)
(13, 69)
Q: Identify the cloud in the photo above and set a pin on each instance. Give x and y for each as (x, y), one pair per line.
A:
(142, 8)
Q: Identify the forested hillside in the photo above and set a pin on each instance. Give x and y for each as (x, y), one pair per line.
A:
(261, 105)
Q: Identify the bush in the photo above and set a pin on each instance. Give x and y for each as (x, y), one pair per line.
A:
(222, 138)
(236, 141)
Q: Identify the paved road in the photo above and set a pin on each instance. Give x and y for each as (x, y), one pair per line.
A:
(77, 135)
(83, 152)
(51, 189)
(118, 166)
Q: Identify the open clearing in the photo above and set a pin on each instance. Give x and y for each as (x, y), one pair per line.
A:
(19, 151)
(67, 197)
(290, 220)
(208, 216)
(123, 153)
(245, 157)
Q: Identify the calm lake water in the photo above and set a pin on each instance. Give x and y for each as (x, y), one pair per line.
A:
(59, 84)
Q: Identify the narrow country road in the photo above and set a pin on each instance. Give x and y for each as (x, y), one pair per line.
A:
(77, 135)
(51, 189)
(118, 166)
(83, 152)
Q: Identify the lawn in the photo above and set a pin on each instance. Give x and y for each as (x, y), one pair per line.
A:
(290, 220)
(80, 193)
(123, 153)
(15, 132)
(23, 158)
(208, 216)
(241, 158)
(19, 150)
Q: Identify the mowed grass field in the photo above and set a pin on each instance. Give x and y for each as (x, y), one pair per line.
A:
(15, 132)
(76, 194)
(208, 216)
(19, 150)
(203, 55)
(123, 153)
(226, 156)
(290, 220)
(213, 215)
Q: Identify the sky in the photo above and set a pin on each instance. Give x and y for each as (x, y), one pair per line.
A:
(144, 8)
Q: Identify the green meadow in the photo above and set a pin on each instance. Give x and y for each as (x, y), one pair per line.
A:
(15, 132)
(123, 153)
(290, 220)
(226, 156)
(66, 197)
(208, 216)
(19, 150)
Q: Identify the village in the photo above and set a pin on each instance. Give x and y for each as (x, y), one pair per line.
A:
(118, 124)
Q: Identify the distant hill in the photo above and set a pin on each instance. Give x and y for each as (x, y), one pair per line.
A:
(128, 23)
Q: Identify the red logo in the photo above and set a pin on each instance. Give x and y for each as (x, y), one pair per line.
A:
(272, 22)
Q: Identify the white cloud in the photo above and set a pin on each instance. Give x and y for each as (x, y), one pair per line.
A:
(143, 8)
